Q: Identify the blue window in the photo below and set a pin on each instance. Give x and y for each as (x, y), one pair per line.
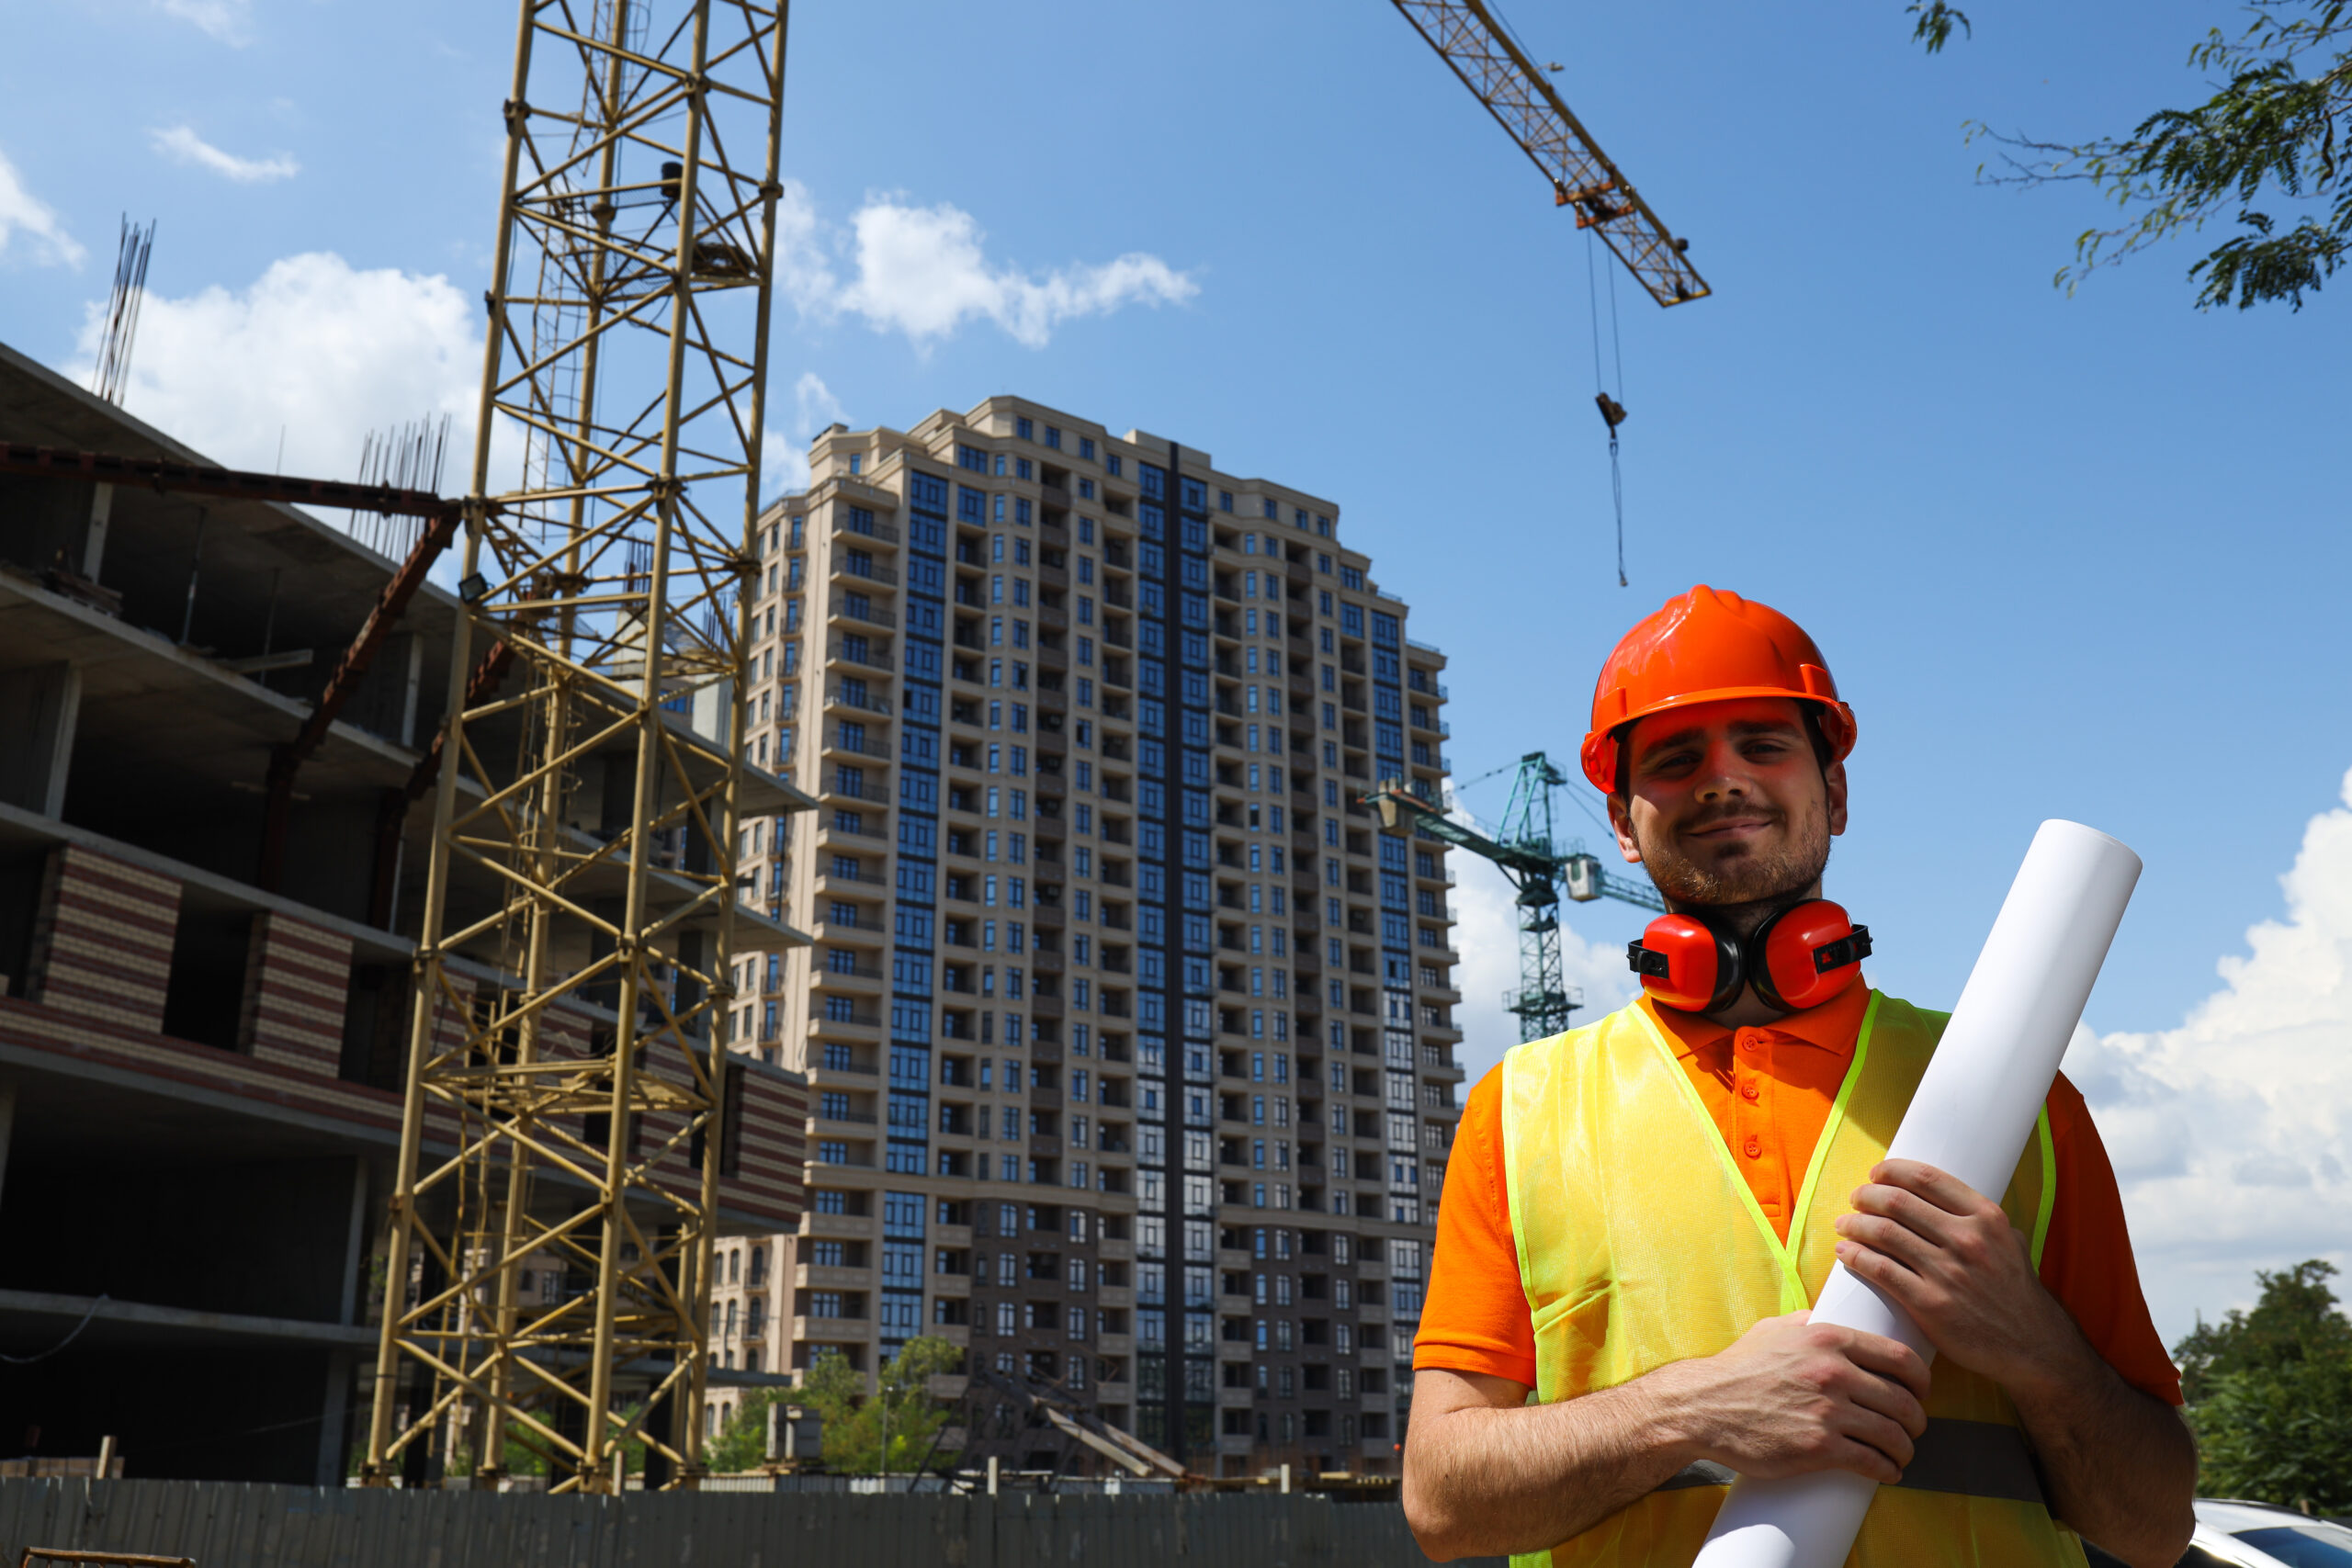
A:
(972, 457)
(1352, 620)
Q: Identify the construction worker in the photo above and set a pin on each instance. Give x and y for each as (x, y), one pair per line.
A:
(1638, 1212)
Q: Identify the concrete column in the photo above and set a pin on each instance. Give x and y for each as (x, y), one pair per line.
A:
(410, 689)
(334, 1432)
(93, 542)
(41, 705)
(7, 1127)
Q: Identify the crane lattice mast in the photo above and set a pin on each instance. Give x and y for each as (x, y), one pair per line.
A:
(1467, 36)
(599, 783)
(1541, 867)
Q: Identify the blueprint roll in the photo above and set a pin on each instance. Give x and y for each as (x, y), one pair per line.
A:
(1974, 1109)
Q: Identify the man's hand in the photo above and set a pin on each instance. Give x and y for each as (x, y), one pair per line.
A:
(1790, 1396)
(2117, 1465)
(1948, 1256)
(1487, 1473)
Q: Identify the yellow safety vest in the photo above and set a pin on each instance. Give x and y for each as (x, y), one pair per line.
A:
(1640, 1244)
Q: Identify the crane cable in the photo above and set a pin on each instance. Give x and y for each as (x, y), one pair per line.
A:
(1612, 410)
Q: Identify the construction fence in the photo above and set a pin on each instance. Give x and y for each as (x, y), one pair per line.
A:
(235, 1525)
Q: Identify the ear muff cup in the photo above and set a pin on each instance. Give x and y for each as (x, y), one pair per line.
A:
(1801, 957)
(1687, 963)
(1805, 955)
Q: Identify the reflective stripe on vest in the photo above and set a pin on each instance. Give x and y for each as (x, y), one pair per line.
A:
(1640, 1244)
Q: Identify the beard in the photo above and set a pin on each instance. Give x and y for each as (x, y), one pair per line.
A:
(1743, 887)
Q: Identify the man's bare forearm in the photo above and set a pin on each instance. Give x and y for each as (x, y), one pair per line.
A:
(2120, 1467)
(1486, 1481)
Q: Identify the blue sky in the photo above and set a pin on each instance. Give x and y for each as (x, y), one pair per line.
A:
(2069, 557)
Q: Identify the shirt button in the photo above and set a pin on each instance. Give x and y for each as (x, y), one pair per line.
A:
(1748, 1091)
(1755, 1148)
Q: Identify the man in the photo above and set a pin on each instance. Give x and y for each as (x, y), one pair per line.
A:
(1639, 1211)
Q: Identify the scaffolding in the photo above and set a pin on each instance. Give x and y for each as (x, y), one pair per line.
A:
(593, 763)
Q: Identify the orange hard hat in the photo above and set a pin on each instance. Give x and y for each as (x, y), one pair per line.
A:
(1704, 646)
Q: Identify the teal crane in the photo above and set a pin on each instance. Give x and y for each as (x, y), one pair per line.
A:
(1527, 851)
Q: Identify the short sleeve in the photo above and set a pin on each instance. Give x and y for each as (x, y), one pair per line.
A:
(1476, 1318)
(2086, 1260)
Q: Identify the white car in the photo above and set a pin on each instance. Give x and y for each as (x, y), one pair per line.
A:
(2258, 1535)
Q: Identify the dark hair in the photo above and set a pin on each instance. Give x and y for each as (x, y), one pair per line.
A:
(1810, 712)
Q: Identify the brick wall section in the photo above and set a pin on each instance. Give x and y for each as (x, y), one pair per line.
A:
(768, 1179)
(102, 947)
(297, 985)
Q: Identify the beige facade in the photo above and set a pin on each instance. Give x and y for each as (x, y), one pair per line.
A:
(1129, 1033)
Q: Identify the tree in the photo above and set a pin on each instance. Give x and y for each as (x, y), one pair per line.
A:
(2295, 1320)
(855, 1421)
(2275, 129)
(2270, 1394)
(742, 1443)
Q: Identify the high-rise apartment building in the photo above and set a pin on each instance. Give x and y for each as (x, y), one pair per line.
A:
(1129, 1032)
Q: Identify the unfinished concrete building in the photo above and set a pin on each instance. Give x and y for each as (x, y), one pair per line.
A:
(200, 1061)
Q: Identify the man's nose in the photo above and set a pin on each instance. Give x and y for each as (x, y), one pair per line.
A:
(1724, 774)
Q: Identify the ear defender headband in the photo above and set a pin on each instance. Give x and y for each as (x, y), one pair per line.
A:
(1801, 957)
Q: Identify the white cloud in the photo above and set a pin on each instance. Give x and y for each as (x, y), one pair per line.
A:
(1488, 936)
(24, 214)
(182, 144)
(784, 458)
(802, 272)
(2232, 1134)
(315, 348)
(922, 271)
(226, 20)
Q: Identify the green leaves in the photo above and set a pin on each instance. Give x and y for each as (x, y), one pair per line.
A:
(1933, 30)
(2270, 1395)
(2275, 131)
(855, 1421)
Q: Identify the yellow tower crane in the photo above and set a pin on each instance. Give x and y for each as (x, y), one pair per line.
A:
(567, 1083)
(1474, 42)
(1467, 36)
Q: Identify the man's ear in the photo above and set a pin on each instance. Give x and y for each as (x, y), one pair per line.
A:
(1621, 822)
(1832, 778)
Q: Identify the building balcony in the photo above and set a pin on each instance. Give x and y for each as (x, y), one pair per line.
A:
(877, 572)
(876, 656)
(821, 1018)
(808, 1276)
(876, 744)
(873, 613)
(868, 703)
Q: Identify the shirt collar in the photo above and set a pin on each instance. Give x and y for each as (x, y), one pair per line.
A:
(1834, 1026)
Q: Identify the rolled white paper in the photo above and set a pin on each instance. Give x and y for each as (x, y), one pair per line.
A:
(1974, 1109)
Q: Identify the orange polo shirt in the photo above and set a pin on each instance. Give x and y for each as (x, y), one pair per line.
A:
(1769, 1090)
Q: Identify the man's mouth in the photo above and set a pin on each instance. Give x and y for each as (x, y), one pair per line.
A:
(1730, 828)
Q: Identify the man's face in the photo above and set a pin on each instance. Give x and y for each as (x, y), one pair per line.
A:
(1727, 803)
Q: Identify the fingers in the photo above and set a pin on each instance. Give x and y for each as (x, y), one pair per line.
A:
(1864, 1460)
(1890, 1237)
(1908, 1209)
(1891, 1365)
(1941, 1189)
(1881, 1436)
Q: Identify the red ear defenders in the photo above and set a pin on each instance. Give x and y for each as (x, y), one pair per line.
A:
(1799, 958)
